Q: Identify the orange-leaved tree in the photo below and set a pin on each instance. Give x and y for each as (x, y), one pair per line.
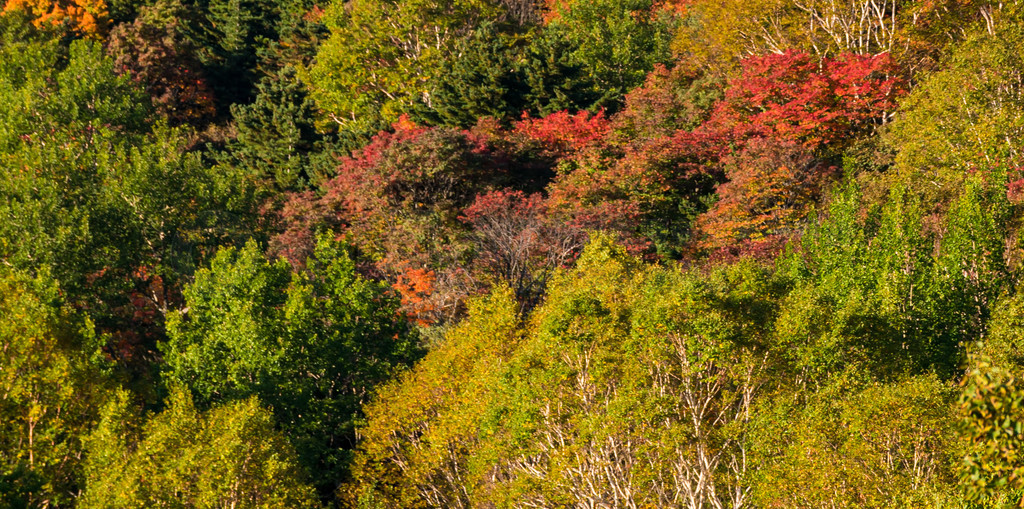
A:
(772, 187)
(89, 17)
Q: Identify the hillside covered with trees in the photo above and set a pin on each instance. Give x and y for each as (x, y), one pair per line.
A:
(511, 253)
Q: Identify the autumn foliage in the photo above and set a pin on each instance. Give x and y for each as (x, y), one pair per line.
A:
(562, 133)
(518, 242)
(669, 100)
(794, 96)
(772, 185)
(415, 287)
(154, 52)
(648, 192)
(511, 253)
(786, 116)
(402, 198)
(88, 17)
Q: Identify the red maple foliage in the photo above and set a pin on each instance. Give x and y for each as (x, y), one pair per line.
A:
(407, 173)
(399, 200)
(793, 96)
(1015, 188)
(563, 133)
(360, 183)
(642, 190)
(301, 215)
(784, 117)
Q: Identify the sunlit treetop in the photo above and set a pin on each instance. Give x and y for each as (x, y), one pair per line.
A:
(88, 17)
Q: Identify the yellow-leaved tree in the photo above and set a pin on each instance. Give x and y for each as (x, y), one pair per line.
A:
(88, 17)
(51, 389)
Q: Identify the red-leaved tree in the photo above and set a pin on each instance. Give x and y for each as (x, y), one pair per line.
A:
(154, 51)
(562, 133)
(400, 199)
(822, 104)
(787, 116)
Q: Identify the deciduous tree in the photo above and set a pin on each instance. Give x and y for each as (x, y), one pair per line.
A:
(155, 52)
(381, 55)
(772, 186)
(228, 456)
(311, 345)
(87, 17)
(52, 385)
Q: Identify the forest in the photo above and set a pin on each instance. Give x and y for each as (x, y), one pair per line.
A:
(379, 254)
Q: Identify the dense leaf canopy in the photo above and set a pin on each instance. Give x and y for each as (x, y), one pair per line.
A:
(511, 253)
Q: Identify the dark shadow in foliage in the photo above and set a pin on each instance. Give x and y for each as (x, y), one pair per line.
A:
(229, 33)
(17, 487)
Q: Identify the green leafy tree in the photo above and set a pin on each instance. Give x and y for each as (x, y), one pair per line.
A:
(633, 387)
(555, 79)
(627, 386)
(991, 407)
(382, 54)
(277, 139)
(864, 293)
(969, 273)
(504, 75)
(424, 426)
(484, 81)
(858, 445)
(300, 30)
(94, 190)
(88, 209)
(52, 201)
(874, 293)
(963, 117)
(311, 345)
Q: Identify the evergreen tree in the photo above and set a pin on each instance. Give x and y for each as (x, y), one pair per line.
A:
(277, 137)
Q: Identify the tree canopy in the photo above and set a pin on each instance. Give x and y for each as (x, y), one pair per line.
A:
(511, 253)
